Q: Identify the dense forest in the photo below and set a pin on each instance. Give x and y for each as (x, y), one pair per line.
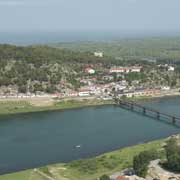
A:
(129, 49)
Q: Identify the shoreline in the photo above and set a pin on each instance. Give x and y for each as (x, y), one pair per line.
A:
(126, 149)
(13, 106)
(20, 108)
(73, 168)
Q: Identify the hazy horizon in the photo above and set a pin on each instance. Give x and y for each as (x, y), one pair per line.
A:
(36, 37)
(92, 15)
(49, 21)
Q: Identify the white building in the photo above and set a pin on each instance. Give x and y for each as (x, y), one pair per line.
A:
(84, 93)
(171, 68)
(166, 88)
(98, 54)
(125, 69)
(89, 71)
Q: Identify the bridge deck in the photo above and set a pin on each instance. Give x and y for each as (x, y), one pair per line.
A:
(145, 109)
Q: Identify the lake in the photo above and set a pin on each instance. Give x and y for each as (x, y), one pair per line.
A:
(36, 139)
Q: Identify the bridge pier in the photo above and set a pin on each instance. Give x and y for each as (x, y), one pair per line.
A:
(158, 115)
(144, 110)
(173, 120)
(132, 106)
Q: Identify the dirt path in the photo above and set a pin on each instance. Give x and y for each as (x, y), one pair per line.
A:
(157, 172)
(44, 175)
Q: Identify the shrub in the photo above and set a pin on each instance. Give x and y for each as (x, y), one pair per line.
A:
(104, 177)
(86, 166)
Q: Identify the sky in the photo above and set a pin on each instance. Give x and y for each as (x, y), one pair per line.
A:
(89, 15)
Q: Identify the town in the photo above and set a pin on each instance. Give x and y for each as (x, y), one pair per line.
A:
(106, 82)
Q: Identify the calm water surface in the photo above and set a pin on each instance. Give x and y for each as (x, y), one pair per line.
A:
(36, 139)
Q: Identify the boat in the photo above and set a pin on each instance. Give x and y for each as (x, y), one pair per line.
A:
(78, 146)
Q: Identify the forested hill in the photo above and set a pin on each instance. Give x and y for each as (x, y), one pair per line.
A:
(41, 68)
(39, 55)
(162, 48)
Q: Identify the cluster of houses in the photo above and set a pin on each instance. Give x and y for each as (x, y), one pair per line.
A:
(112, 89)
(140, 92)
(89, 90)
(120, 69)
(169, 67)
(126, 69)
(90, 86)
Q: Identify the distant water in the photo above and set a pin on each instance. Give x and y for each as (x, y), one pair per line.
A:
(30, 38)
(37, 139)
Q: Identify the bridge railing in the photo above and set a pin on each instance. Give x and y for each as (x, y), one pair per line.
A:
(132, 105)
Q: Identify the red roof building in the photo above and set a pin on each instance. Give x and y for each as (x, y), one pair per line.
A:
(121, 178)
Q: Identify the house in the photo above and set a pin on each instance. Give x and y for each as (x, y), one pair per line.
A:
(139, 92)
(125, 69)
(122, 178)
(136, 69)
(98, 54)
(89, 71)
(89, 81)
(108, 78)
(120, 87)
(171, 68)
(73, 93)
(165, 88)
(84, 91)
(118, 176)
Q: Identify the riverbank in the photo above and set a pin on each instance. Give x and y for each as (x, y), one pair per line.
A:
(88, 169)
(16, 106)
(39, 104)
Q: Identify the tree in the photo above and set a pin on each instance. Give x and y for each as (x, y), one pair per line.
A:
(104, 177)
(22, 89)
(173, 155)
(141, 161)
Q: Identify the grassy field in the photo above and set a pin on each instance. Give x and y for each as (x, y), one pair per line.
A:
(24, 175)
(89, 169)
(24, 106)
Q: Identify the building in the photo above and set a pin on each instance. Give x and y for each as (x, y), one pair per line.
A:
(118, 176)
(98, 54)
(140, 92)
(72, 93)
(108, 78)
(122, 178)
(171, 68)
(89, 71)
(125, 69)
(84, 91)
(165, 88)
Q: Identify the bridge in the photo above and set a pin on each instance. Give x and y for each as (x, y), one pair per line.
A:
(133, 106)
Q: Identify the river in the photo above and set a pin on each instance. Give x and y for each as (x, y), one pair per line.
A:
(36, 139)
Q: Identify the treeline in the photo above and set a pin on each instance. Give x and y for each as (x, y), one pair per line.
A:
(39, 55)
(140, 48)
(40, 68)
(172, 158)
